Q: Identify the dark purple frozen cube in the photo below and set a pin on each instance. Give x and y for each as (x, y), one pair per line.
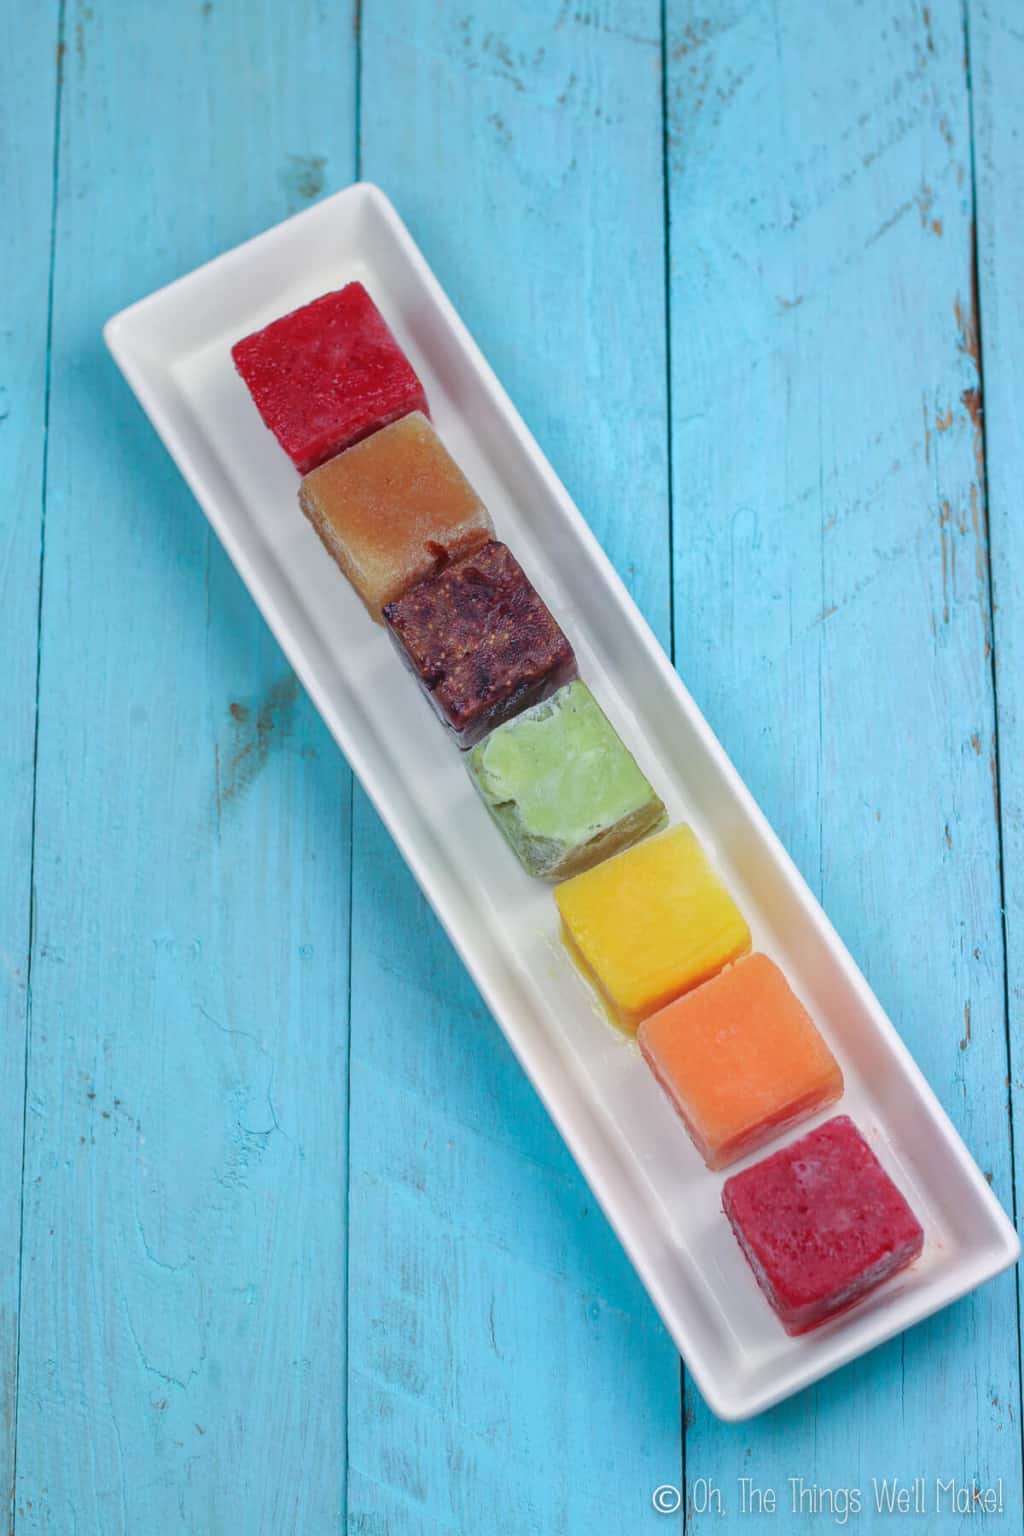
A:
(481, 641)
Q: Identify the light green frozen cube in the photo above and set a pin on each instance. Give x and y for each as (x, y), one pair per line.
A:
(562, 787)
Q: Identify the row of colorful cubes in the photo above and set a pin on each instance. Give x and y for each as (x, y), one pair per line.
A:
(646, 917)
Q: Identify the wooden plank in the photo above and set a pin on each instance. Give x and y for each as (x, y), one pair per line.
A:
(182, 1356)
(28, 103)
(507, 1372)
(832, 610)
(996, 59)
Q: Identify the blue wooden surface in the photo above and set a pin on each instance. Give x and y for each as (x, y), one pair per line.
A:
(286, 1242)
(834, 548)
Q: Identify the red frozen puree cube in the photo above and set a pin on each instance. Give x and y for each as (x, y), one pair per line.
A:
(821, 1224)
(328, 375)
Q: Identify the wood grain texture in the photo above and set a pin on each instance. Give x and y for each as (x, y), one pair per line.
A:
(996, 59)
(833, 609)
(182, 1343)
(499, 1342)
(243, 1308)
(28, 104)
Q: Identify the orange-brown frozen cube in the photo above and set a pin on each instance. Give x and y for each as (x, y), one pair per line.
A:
(650, 924)
(741, 1060)
(394, 509)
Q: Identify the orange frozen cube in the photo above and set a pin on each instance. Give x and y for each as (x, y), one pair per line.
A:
(741, 1060)
(394, 510)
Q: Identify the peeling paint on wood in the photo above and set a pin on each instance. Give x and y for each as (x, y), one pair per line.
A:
(272, 1200)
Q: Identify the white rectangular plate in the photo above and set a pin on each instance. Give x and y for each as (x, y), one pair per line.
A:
(173, 348)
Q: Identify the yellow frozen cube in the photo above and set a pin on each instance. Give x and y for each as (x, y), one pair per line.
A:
(651, 923)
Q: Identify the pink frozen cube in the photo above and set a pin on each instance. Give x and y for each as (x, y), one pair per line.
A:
(821, 1224)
